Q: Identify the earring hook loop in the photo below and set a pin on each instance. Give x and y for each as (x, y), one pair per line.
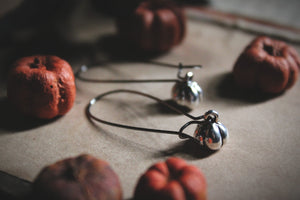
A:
(195, 120)
(84, 68)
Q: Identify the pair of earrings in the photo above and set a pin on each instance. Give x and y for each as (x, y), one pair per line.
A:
(209, 132)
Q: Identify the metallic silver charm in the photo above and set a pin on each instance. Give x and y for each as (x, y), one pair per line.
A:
(211, 133)
(187, 92)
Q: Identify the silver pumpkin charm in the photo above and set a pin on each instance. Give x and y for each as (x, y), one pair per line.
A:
(211, 133)
(187, 92)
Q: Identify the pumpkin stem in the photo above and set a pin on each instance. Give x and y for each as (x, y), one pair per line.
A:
(36, 60)
(272, 50)
(269, 49)
(35, 63)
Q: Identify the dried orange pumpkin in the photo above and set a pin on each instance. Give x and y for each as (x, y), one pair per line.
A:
(42, 86)
(266, 64)
(83, 177)
(171, 180)
(155, 25)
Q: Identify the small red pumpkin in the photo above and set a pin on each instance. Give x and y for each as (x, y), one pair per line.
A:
(83, 177)
(171, 180)
(155, 25)
(266, 64)
(42, 86)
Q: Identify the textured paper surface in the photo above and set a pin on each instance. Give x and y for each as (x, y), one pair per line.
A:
(260, 161)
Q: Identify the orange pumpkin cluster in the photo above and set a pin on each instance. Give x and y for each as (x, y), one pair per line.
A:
(86, 177)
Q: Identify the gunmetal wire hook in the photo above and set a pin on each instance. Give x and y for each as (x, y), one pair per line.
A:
(185, 92)
(85, 68)
(209, 131)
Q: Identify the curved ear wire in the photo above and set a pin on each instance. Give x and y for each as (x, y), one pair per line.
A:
(202, 119)
(184, 135)
(185, 92)
(85, 68)
(99, 97)
(181, 67)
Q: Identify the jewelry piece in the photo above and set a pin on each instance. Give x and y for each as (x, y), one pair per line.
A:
(185, 92)
(209, 132)
(213, 134)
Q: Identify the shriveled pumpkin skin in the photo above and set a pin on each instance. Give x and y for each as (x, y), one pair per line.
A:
(171, 180)
(155, 26)
(268, 65)
(41, 86)
(82, 178)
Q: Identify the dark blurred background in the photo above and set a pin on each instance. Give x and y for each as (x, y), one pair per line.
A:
(67, 28)
(60, 26)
